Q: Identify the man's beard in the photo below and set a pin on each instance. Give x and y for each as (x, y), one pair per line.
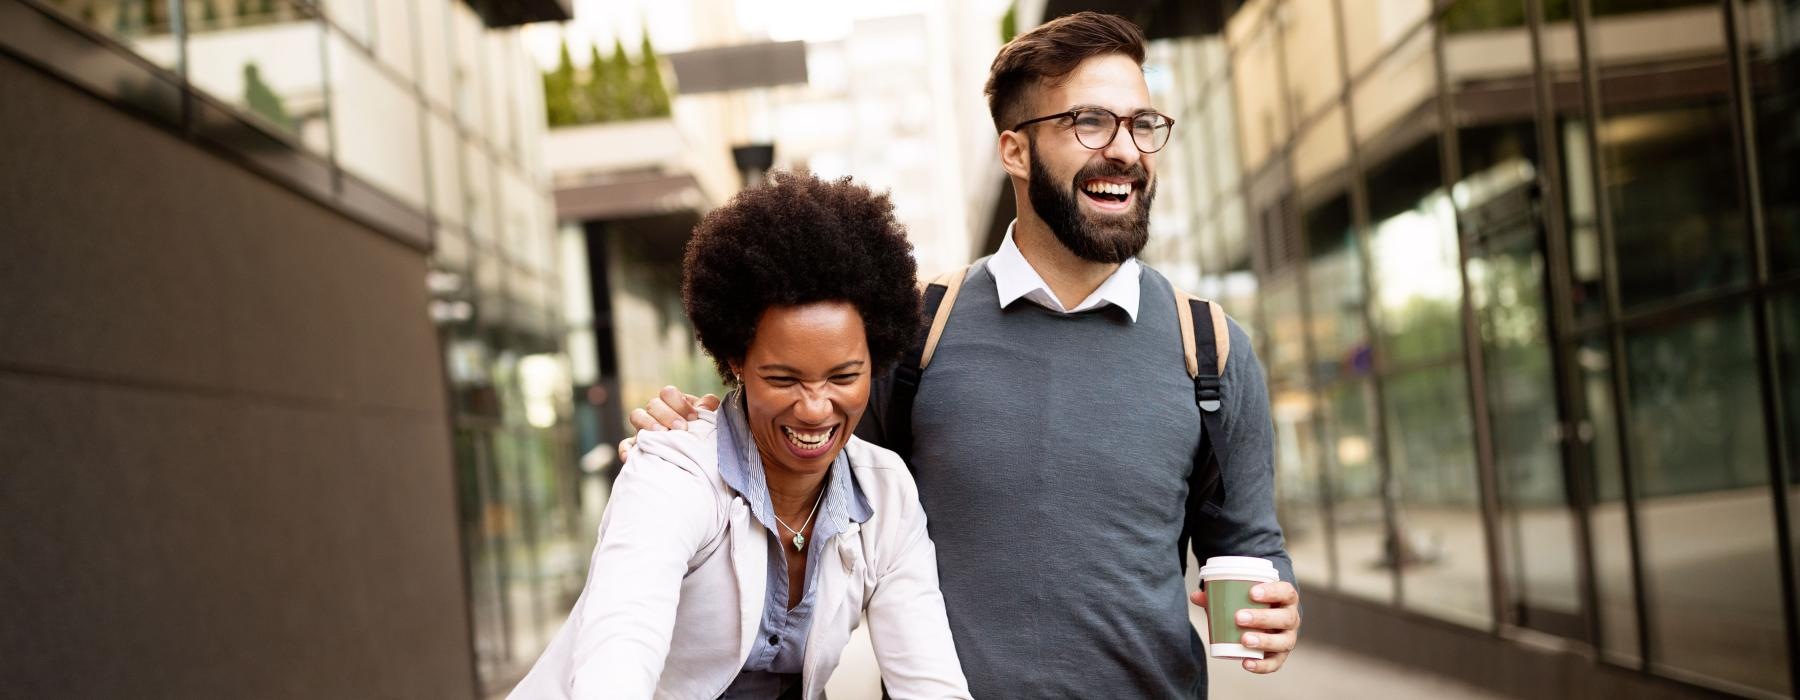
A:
(1112, 240)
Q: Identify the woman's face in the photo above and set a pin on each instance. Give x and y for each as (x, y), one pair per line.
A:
(806, 382)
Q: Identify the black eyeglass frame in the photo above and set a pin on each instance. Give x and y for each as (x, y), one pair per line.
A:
(1119, 121)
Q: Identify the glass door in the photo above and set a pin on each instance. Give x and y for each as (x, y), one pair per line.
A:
(1507, 275)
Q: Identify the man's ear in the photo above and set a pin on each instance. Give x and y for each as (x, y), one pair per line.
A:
(1015, 154)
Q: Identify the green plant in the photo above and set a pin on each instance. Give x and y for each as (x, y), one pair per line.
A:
(263, 101)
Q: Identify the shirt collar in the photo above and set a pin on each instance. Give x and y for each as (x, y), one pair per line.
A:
(741, 466)
(1015, 278)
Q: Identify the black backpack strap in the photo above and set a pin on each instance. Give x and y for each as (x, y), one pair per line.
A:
(1206, 345)
(939, 298)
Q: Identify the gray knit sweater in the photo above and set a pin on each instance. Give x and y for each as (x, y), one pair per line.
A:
(1052, 453)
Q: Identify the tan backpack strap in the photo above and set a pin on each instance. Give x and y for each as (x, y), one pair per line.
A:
(1185, 312)
(952, 283)
(1221, 334)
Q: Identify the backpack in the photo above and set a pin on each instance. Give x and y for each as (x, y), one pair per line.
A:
(1205, 343)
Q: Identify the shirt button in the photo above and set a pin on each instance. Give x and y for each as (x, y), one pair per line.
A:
(774, 639)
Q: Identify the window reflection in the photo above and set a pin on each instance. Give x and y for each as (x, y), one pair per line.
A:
(265, 59)
(1310, 47)
(1418, 290)
(377, 124)
(1506, 272)
(143, 25)
(1667, 148)
(1608, 523)
(1335, 281)
(1262, 110)
(1298, 482)
(1786, 311)
(1771, 36)
(1438, 541)
(1701, 474)
(1359, 523)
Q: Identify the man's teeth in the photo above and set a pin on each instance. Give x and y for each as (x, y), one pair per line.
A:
(1116, 188)
(807, 440)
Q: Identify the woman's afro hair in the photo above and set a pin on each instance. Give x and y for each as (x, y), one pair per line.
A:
(797, 239)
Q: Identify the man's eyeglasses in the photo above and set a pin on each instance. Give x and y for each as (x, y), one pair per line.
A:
(1096, 128)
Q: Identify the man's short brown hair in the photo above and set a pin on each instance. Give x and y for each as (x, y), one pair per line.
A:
(1050, 53)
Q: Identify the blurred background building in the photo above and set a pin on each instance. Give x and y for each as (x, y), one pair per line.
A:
(1523, 275)
(318, 319)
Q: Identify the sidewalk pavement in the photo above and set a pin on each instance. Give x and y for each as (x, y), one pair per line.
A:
(1314, 671)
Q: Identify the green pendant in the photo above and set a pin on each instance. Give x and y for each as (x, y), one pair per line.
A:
(799, 542)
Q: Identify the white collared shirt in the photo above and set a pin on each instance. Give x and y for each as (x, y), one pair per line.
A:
(1015, 278)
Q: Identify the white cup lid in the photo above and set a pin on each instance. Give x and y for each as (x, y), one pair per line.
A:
(1241, 568)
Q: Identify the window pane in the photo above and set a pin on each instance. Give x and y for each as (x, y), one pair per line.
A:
(1284, 354)
(1309, 41)
(1413, 252)
(143, 26)
(268, 63)
(498, 49)
(355, 17)
(1399, 92)
(1376, 25)
(1667, 151)
(1220, 136)
(1322, 149)
(394, 35)
(466, 51)
(478, 192)
(1363, 566)
(1787, 342)
(1340, 344)
(446, 170)
(376, 121)
(1298, 483)
(1608, 524)
(434, 36)
(1700, 470)
(1440, 542)
(1506, 274)
(1771, 35)
(1262, 113)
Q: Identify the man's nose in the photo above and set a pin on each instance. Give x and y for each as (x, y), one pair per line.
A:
(1122, 149)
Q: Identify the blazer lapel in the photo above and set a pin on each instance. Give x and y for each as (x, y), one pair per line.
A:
(750, 563)
(842, 564)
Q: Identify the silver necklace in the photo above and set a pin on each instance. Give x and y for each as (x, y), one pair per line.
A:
(799, 539)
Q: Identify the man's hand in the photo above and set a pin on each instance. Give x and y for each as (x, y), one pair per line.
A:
(670, 410)
(1274, 630)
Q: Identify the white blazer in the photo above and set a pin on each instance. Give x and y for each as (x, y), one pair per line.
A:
(676, 586)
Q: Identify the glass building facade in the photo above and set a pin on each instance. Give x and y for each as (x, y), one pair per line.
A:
(1522, 274)
(419, 120)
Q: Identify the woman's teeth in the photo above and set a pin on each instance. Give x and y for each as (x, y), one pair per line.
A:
(808, 441)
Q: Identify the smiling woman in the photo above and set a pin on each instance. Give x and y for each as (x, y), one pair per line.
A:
(802, 290)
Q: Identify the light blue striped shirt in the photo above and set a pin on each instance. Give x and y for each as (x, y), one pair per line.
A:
(777, 653)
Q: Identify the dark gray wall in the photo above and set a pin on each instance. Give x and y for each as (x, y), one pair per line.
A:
(224, 454)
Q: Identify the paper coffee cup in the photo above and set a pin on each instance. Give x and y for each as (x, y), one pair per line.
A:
(1227, 581)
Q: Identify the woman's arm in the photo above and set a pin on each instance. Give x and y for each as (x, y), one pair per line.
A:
(907, 624)
(661, 512)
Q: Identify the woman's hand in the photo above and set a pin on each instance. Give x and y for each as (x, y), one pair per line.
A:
(1274, 630)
